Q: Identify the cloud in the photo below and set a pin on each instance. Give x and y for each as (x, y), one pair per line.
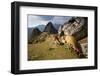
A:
(35, 20)
(47, 17)
(60, 19)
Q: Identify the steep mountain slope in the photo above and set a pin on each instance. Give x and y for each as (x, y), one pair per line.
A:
(50, 28)
(35, 32)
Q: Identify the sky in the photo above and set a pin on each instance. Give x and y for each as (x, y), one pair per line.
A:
(35, 20)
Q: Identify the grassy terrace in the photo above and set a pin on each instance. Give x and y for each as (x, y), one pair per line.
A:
(47, 50)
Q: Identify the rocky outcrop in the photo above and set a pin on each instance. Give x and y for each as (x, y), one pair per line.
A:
(77, 27)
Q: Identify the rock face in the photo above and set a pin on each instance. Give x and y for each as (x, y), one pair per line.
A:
(77, 27)
(34, 34)
(50, 28)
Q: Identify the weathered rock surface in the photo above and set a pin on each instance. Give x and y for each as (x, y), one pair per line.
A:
(77, 27)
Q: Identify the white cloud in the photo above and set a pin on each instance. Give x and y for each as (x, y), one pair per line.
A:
(33, 21)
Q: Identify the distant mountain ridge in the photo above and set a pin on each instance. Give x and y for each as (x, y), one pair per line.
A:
(41, 27)
(34, 33)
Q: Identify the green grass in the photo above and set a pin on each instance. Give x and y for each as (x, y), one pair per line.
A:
(47, 50)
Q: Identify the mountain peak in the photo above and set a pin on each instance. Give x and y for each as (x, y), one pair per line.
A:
(50, 28)
(50, 23)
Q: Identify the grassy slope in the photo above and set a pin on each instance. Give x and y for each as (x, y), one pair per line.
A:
(48, 50)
